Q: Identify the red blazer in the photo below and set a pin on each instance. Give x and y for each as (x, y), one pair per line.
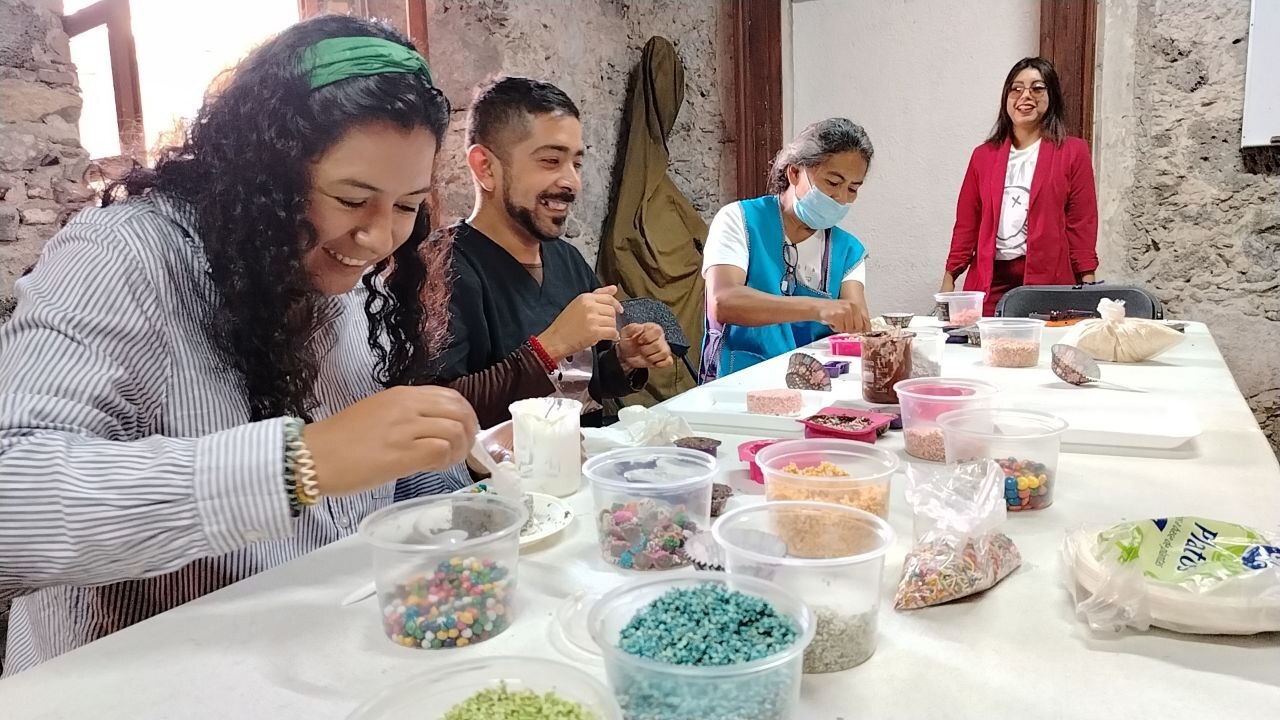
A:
(1062, 219)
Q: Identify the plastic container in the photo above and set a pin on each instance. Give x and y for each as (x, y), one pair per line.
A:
(764, 689)
(886, 360)
(648, 501)
(926, 352)
(845, 345)
(1025, 443)
(831, 556)
(924, 399)
(747, 452)
(1011, 342)
(431, 695)
(425, 550)
(547, 435)
(877, 425)
(963, 308)
(865, 484)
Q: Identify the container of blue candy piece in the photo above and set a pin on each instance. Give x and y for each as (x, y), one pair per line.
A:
(705, 645)
(649, 502)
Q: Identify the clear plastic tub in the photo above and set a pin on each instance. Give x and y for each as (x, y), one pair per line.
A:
(830, 555)
(1011, 342)
(864, 483)
(923, 399)
(1025, 443)
(764, 689)
(963, 308)
(648, 501)
(431, 695)
(926, 352)
(445, 568)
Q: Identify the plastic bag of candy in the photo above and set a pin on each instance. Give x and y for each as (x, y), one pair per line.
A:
(959, 549)
(1186, 574)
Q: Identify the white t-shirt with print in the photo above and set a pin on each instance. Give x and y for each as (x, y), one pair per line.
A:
(1011, 235)
(727, 245)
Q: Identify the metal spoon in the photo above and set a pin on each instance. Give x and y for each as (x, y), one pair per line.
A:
(1075, 366)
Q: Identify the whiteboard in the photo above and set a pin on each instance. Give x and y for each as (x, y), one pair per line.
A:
(1262, 77)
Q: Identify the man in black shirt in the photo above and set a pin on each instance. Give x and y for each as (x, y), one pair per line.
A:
(525, 304)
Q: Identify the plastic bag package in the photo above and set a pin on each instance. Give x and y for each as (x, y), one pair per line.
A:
(1185, 574)
(959, 549)
(1115, 338)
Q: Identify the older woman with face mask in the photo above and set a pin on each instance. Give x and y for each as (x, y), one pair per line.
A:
(779, 273)
(1028, 212)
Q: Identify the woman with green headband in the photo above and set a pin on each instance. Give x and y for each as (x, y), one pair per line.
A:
(211, 374)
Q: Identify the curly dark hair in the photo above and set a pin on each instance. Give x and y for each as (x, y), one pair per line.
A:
(244, 168)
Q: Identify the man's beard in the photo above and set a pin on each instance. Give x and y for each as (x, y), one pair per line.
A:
(524, 215)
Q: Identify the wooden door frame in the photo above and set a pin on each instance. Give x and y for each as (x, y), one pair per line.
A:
(114, 14)
(755, 31)
(1068, 39)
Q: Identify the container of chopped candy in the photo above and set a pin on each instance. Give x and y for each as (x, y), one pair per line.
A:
(844, 472)
(1011, 342)
(924, 399)
(445, 568)
(847, 424)
(707, 645)
(1026, 444)
(832, 556)
(648, 502)
(496, 687)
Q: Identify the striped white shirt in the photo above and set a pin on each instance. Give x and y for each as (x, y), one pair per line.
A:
(131, 480)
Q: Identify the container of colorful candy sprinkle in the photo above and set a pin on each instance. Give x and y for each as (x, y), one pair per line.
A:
(648, 502)
(1025, 443)
(484, 687)
(445, 568)
(764, 688)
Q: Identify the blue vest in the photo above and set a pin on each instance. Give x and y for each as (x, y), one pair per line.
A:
(731, 348)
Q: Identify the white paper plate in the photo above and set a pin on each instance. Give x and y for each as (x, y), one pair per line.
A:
(552, 515)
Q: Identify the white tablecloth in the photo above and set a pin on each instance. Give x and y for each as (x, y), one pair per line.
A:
(279, 645)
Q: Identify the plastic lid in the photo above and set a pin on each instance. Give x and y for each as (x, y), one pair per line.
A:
(657, 469)
(1004, 423)
(450, 522)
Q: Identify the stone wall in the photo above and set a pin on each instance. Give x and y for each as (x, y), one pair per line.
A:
(1181, 214)
(590, 49)
(41, 161)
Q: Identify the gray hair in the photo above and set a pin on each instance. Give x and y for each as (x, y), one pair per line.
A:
(815, 144)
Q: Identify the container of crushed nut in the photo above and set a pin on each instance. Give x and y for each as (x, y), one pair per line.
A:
(1011, 342)
(706, 645)
(832, 556)
(924, 399)
(1026, 444)
(445, 568)
(844, 472)
(496, 687)
(648, 502)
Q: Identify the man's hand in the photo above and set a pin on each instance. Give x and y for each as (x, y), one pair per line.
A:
(644, 345)
(589, 318)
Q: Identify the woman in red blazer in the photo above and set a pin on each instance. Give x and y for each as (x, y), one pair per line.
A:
(1028, 212)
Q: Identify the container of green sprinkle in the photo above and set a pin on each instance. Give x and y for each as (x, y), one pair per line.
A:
(705, 645)
(493, 688)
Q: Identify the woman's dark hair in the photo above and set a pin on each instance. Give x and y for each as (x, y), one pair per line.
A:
(815, 144)
(1052, 126)
(244, 169)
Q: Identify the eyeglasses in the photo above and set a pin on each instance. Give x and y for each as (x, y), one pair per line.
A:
(1037, 90)
(790, 256)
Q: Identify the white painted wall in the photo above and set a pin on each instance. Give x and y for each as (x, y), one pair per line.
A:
(923, 77)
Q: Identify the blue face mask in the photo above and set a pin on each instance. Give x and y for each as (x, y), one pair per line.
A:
(819, 210)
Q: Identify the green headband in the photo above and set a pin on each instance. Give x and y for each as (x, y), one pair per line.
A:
(329, 61)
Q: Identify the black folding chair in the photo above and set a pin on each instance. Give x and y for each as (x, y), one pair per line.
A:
(1024, 301)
